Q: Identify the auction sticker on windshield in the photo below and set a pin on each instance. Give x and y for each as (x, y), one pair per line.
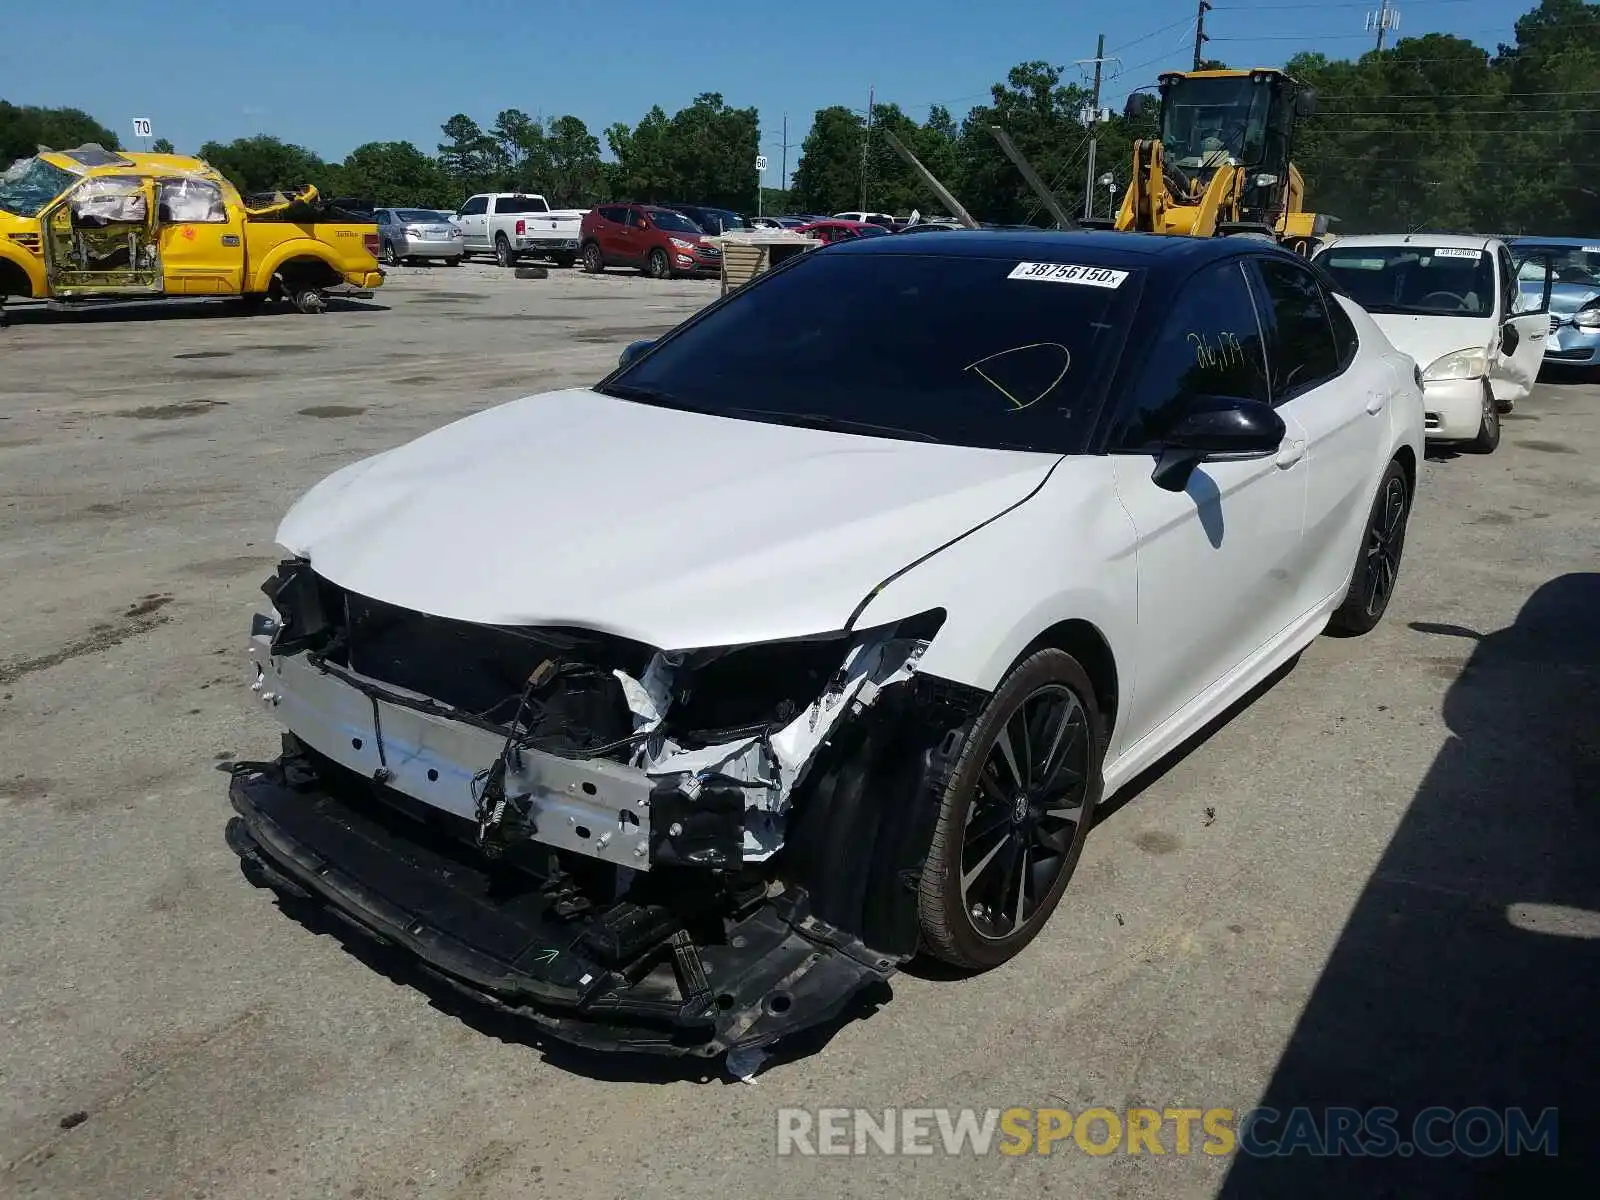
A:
(1456, 252)
(1104, 277)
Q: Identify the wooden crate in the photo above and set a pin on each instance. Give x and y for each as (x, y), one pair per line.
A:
(747, 253)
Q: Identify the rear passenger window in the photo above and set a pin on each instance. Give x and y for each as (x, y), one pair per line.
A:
(1210, 345)
(611, 212)
(1345, 340)
(1301, 352)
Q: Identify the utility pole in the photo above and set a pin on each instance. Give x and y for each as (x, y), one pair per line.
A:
(783, 171)
(1200, 36)
(1094, 119)
(865, 143)
(1386, 18)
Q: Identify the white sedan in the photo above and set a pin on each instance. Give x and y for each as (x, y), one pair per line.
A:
(1452, 302)
(812, 636)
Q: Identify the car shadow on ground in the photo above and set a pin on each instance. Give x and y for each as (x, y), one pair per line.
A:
(173, 310)
(1468, 974)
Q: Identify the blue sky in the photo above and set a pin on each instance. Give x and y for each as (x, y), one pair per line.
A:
(333, 76)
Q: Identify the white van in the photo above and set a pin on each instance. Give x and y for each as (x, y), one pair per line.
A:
(1452, 303)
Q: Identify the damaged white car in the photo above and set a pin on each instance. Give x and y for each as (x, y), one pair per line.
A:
(673, 712)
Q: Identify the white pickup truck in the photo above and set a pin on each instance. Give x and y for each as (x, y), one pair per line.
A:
(512, 224)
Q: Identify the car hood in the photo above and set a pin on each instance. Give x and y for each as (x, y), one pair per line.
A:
(675, 529)
(1566, 298)
(1428, 338)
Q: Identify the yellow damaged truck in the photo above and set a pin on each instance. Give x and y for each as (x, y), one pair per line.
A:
(93, 225)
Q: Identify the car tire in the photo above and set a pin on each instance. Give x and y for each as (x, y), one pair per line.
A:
(454, 260)
(999, 813)
(657, 265)
(593, 261)
(1489, 427)
(503, 254)
(1377, 570)
(390, 257)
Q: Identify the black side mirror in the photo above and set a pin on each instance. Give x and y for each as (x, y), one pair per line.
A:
(1215, 425)
(1510, 339)
(1137, 105)
(635, 349)
(1305, 102)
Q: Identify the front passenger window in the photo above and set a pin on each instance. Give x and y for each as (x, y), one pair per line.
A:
(1301, 352)
(1210, 345)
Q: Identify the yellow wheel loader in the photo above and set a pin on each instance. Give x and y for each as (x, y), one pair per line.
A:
(1221, 165)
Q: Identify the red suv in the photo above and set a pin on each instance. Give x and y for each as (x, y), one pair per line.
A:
(658, 241)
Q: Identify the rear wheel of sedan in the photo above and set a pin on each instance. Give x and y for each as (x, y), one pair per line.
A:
(1489, 427)
(1013, 819)
(593, 261)
(1378, 565)
(658, 265)
(390, 257)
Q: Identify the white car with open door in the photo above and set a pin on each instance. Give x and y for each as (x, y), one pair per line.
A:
(1453, 304)
(811, 636)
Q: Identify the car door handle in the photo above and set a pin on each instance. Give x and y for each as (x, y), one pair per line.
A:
(1291, 452)
(1376, 401)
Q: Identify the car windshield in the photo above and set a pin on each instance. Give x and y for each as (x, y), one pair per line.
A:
(965, 351)
(673, 222)
(1418, 280)
(1573, 264)
(416, 214)
(1209, 122)
(31, 183)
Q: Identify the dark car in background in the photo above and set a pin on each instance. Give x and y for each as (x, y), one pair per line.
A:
(711, 220)
(661, 242)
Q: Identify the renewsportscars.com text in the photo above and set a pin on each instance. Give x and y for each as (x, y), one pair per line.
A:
(1216, 1132)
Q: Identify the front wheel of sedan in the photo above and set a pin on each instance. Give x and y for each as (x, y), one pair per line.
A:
(1013, 819)
(1378, 564)
(1488, 439)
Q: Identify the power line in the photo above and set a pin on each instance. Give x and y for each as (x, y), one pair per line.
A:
(1313, 38)
(1154, 33)
(1338, 4)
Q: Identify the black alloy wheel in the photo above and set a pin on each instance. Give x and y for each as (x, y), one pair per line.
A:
(1013, 821)
(1378, 563)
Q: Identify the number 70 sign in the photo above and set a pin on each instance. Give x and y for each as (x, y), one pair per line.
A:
(141, 127)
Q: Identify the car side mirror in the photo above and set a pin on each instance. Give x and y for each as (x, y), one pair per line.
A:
(1510, 339)
(1305, 102)
(633, 351)
(1215, 426)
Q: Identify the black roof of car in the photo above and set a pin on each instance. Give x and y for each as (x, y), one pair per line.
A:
(1157, 252)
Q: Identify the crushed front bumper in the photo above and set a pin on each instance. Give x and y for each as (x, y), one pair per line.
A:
(615, 979)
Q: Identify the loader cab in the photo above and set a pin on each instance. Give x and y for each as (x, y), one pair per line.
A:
(1240, 119)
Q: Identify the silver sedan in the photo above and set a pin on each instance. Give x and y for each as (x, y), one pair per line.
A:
(412, 233)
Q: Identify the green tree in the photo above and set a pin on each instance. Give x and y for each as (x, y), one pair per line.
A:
(828, 177)
(575, 176)
(397, 174)
(24, 128)
(468, 156)
(263, 163)
(522, 153)
(163, 146)
(643, 168)
(1042, 116)
(711, 153)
